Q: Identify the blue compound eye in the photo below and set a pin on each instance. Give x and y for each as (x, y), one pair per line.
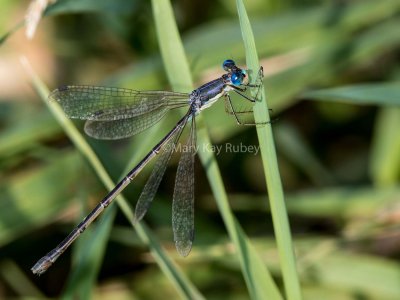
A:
(228, 64)
(237, 78)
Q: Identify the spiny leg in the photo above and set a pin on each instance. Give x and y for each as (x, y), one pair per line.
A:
(253, 100)
(228, 103)
(229, 108)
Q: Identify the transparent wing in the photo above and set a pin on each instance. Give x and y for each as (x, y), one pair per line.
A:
(183, 201)
(110, 103)
(151, 187)
(122, 128)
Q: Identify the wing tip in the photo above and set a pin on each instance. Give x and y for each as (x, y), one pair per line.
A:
(183, 247)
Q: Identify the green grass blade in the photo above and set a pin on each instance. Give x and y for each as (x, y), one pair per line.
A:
(24, 206)
(378, 93)
(270, 165)
(6, 35)
(88, 258)
(258, 280)
(183, 286)
(293, 146)
(385, 152)
(171, 47)
(384, 163)
(91, 6)
(17, 280)
(19, 137)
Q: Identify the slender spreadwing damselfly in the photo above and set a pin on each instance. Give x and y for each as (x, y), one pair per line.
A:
(114, 113)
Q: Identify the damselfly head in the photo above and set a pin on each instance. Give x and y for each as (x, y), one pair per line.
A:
(228, 65)
(237, 75)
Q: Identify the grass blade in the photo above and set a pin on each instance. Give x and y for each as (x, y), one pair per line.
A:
(379, 94)
(24, 206)
(258, 280)
(385, 153)
(270, 165)
(5, 36)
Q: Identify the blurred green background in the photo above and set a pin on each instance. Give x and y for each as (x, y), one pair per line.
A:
(332, 80)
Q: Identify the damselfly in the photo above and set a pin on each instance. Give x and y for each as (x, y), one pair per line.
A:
(114, 113)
